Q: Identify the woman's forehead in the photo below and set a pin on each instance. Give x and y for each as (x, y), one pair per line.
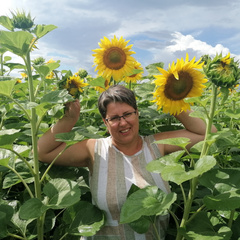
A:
(118, 107)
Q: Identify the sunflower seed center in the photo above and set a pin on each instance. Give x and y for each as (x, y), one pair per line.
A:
(178, 89)
(114, 58)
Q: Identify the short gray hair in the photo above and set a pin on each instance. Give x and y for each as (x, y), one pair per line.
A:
(116, 93)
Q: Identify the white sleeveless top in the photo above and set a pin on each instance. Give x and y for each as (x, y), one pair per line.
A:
(113, 174)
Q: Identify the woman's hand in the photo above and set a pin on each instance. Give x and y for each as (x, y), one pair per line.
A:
(72, 110)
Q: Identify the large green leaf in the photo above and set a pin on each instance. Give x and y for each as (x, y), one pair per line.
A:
(98, 82)
(233, 114)
(69, 138)
(32, 209)
(225, 186)
(174, 171)
(8, 136)
(44, 70)
(12, 179)
(13, 66)
(59, 96)
(61, 193)
(6, 22)
(6, 213)
(6, 87)
(167, 160)
(83, 219)
(3, 223)
(203, 228)
(17, 221)
(41, 30)
(16, 42)
(180, 142)
(152, 68)
(146, 202)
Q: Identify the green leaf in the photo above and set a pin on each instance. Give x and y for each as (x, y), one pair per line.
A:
(84, 219)
(6, 213)
(17, 221)
(44, 70)
(8, 210)
(179, 175)
(225, 201)
(69, 138)
(146, 202)
(16, 42)
(12, 179)
(32, 209)
(202, 228)
(145, 90)
(199, 100)
(61, 193)
(172, 159)
(98, 82)
(13, 66)
(225, 186)
(175, 171)
(3, 223)
(233, 114)
(41, 30)
(141, 225)
(152, 68)
(6, 22)
(59, 96)
(6, 87)
(2, 50)
(8, 136)
(180, 142)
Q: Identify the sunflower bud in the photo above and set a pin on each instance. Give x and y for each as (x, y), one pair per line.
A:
(38, 61)
(22, 21)
(222, 71)
(82, 73)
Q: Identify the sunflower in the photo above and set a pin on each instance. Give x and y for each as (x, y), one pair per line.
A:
(50, 61)
(75, 85)
(182, 80)
(223, 71)
(113, 58)
(24, 75)
(136, 76)
(50, 75)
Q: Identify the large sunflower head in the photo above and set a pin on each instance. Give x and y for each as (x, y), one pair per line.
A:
(75, 85)
(222, 71)
(135, 76)
(113, 58)
(182, 80)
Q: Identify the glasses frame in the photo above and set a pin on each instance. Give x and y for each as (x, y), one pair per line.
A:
(119, 117)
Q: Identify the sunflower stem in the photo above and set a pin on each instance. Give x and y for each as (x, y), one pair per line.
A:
(33, 122)
(204, 152)
(210, 121)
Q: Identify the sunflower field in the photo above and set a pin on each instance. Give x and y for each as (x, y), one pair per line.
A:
(45, 201)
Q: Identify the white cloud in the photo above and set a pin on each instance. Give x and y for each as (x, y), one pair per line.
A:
(185, 43)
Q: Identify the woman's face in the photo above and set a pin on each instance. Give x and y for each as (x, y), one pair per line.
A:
(123, 131)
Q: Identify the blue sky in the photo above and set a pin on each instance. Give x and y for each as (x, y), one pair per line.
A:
(160, 31)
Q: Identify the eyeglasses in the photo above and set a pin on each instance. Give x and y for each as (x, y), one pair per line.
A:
(127, 116)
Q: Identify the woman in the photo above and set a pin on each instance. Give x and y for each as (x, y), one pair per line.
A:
(118, 161)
